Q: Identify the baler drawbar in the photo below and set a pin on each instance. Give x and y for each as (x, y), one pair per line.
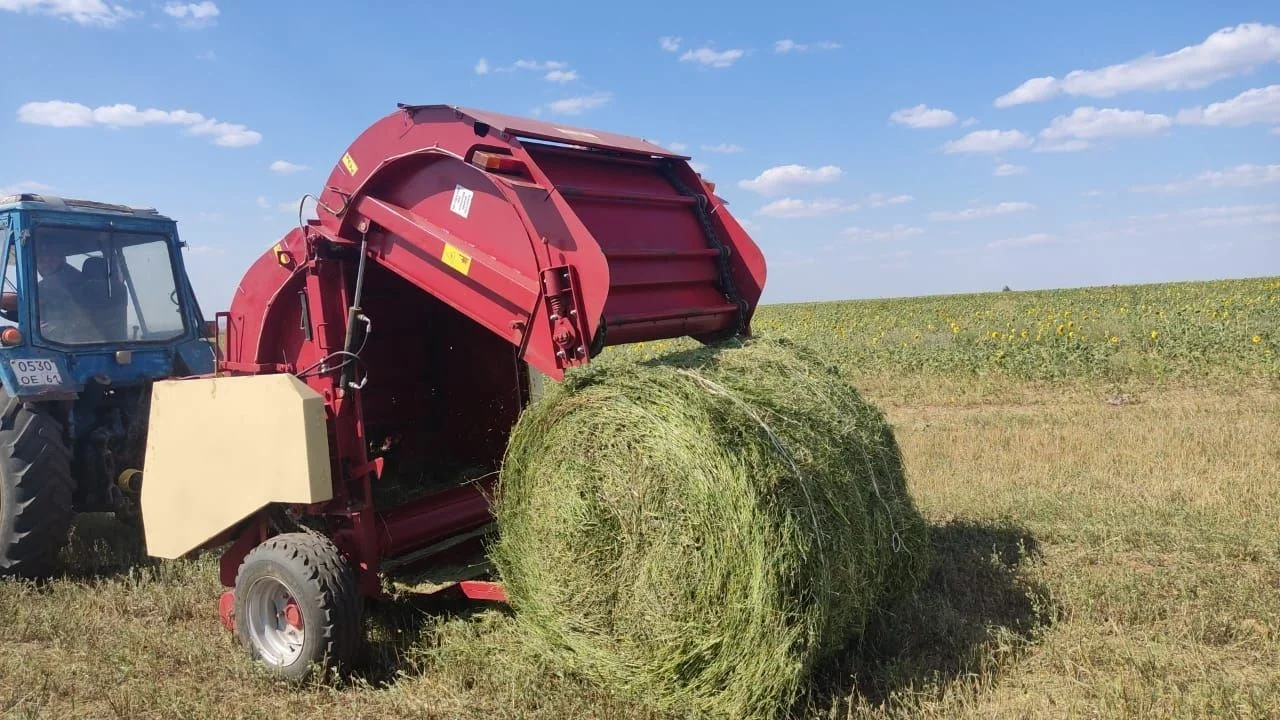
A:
(459, 259)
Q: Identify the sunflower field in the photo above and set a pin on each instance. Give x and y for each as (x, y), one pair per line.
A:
(1157, 331)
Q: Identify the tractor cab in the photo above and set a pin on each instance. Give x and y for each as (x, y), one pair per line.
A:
(93, 293)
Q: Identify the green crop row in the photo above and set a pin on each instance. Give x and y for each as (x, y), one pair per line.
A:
(1117, 332)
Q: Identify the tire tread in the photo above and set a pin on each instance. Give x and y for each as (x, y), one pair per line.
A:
(35, 469)
(330, 580)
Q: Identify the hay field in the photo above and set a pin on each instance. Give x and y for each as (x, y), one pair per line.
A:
(1106, 524)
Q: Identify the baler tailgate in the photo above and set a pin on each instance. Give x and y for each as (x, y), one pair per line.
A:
(668, 275)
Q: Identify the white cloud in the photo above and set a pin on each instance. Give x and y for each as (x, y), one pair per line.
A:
(561, 76)
(25, 186)
(1009, 169)
(1033, 90)
(776, 179)
(1259, 105)
(988, 141)
(725, 148)
(62, 114)
(875, 200)
(1089, 123)
(1247, 175)
(56, 113)
(226, 134)
(922, 116)
(554, 71)
(788, 46)
(263, 202)
(712, 58)
(208, 217)
(205, 251)
(1226, 53)
(969, 122)
(670, 44)
(1021, 241)
(284, 167)
(580, 104)
(792, 208)
(1060, 146)
(539, 65)
(699, 167)
(95, 13)
(677, 147)
(1275, 131)
(1004, 208)
(1229, 216)
(1234, 215)
(193, 15)
(897, 232)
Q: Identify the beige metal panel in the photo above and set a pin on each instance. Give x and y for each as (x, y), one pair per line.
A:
(219, 449)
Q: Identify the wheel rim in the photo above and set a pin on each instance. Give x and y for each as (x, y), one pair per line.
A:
(274, 622)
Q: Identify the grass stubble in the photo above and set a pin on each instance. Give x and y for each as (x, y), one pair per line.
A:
(1097, 552)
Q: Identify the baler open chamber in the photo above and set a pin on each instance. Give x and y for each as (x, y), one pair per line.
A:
(459, 258)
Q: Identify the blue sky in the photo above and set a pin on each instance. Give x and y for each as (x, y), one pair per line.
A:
(871, 150)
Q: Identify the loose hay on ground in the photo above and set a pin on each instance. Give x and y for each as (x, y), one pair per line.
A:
(700, 531)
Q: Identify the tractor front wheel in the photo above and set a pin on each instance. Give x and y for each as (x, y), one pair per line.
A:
(297, 608)
(35, 489)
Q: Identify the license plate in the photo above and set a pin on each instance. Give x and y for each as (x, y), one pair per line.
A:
(36, 372)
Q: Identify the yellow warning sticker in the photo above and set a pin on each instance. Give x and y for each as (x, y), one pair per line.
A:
(349, 163)
(456, 259)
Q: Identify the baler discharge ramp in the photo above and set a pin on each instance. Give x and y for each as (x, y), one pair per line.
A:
(457, 257)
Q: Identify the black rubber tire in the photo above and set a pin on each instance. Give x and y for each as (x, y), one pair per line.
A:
(36, 489)
(323, 583)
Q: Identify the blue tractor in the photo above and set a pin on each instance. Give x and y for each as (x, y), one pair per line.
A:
(95, 306)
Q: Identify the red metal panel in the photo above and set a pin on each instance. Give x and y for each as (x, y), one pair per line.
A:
(227, 609)
(481, 590)
(664, 277)
(559, 132)
(428, 519)
(415, 249)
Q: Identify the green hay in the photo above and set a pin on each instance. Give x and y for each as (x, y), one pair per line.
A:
(700, 531)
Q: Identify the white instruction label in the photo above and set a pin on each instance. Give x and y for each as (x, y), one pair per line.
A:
(461, 201)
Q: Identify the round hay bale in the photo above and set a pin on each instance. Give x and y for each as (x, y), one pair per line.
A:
(697, 532)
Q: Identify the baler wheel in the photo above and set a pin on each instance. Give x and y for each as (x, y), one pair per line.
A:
(36, 487)
(297, 608)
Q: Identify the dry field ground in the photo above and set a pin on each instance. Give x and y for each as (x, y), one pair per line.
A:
(1108, 545)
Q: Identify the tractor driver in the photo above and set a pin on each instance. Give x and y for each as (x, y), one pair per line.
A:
(62, 315)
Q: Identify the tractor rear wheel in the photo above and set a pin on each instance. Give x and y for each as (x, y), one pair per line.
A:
(35, 489)
(297, 608)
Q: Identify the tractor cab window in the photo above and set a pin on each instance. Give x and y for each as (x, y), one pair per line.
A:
(101, 286)
(9, 287)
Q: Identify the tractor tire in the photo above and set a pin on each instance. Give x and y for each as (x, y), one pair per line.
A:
(297, 606)
(36, 489)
